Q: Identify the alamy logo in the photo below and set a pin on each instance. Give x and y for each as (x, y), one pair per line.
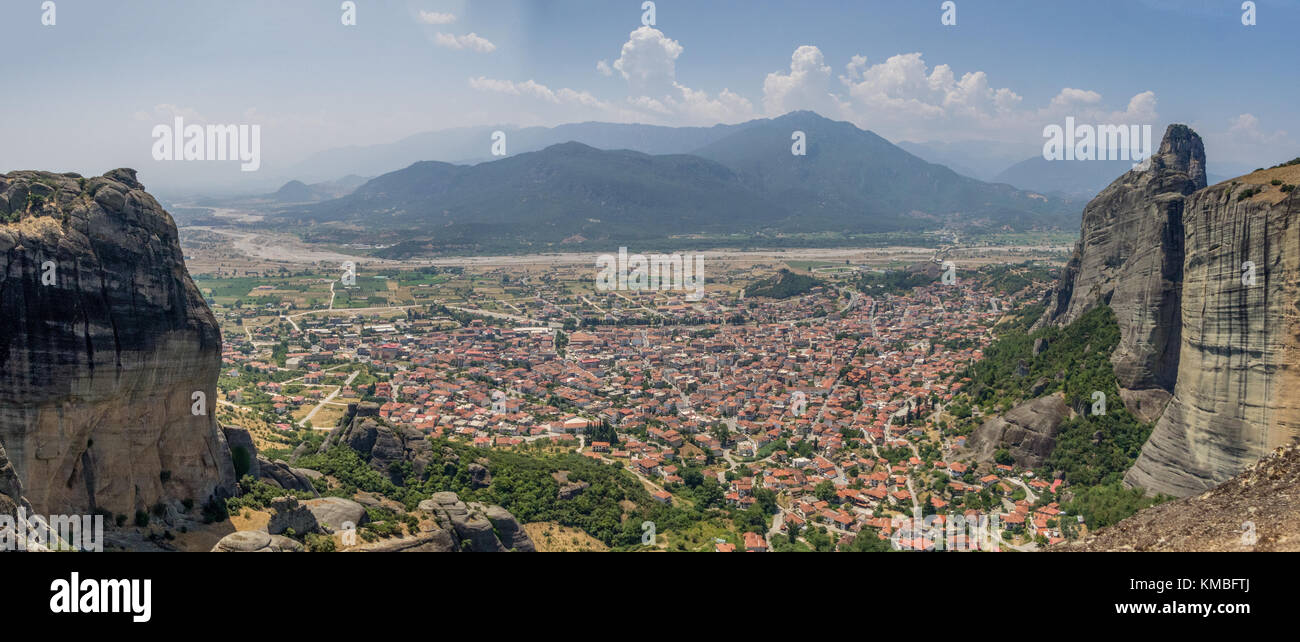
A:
(75, 595)
(20, 532)
(648, 533)
(1098, 403)
(1101, 142)
(655, 272)
(209, 143)
(798, 403)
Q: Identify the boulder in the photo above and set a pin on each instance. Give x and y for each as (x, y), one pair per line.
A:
(332, 513)
(256, 542)
(279, 473)
(479, 477)
(1027, 431)
(291, 515)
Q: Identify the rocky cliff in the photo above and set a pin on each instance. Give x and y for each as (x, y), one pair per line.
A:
(1239, 360)
(108, 354)
(1203, 354)
(1130, 257)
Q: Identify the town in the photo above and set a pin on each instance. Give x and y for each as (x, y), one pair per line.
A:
(840, 407)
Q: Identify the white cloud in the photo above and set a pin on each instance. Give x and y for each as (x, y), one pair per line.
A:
(805, 86)
(435, 18)
(1247, 128)
(1248, 142)
(904, 98)
(603, 69)
(471, 41)
(533, 89)
(648, 62)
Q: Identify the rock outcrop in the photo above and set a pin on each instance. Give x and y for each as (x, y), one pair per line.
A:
(448, 525)
(256, 542)
(1239, 362)
(247, 461)
(1027, 431)
(108, 354)
(279, 473)
(1211, 356)
(1130, 256)
(378, 443)
(1258, 510)
(335, 513)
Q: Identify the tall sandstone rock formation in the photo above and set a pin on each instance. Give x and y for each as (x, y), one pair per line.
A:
(1130, 256)
(105, 340)
(1203, 355)
(1238, 391)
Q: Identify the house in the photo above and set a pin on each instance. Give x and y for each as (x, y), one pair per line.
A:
(754, 543)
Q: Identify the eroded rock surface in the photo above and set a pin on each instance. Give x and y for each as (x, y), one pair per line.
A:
(104, 345)
(1239, 366)
(1027, 431)
(1130, 256)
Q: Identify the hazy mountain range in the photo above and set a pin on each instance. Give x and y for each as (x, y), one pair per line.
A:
(742, 180)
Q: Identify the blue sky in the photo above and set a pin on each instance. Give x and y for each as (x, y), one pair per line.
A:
(83, 95)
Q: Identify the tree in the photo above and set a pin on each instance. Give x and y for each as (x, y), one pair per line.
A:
(825, 491)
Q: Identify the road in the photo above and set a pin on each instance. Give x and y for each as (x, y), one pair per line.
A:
(347, 382)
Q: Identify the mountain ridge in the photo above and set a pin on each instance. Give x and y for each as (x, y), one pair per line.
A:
(747, 182)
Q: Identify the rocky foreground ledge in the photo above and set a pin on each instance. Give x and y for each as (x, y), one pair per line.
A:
(1258, 510)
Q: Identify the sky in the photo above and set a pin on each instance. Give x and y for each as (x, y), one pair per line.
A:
(85, 93)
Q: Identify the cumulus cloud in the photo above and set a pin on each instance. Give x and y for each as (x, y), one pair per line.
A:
(471, 42)
(901, 97)
(1246, 127)
(805, 86)
(904, 94)
(904, 98)
(1248, 141)
(648, 62)
(435, 18)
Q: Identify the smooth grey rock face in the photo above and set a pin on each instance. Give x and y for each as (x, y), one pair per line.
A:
(256, 542)
(1238, 390)
(333, 512)
(98, 369)
(1212, 360)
